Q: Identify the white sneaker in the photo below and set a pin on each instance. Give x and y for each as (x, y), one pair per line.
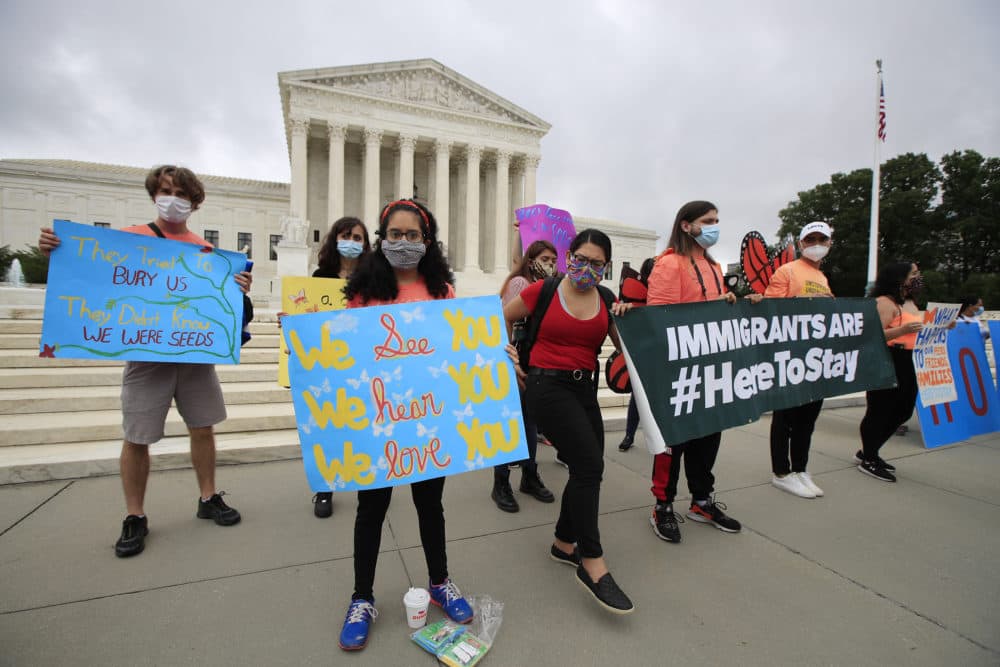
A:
(792, 485)
(807, 481)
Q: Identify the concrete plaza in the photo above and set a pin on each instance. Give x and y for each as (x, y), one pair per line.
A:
(871, 574)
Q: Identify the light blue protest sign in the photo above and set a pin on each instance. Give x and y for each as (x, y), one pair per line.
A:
(119, 295)
(976, 409)
(391, 395)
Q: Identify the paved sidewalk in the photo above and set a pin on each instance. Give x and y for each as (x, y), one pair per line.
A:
(871, 574)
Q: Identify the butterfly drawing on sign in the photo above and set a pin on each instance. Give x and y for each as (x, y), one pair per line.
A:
(342, 323)
(361, 380)
(308, 426)
(400, 398)
(423, 430)
(437, 371)
(411, 316)
(379, 429)
(507, 414)
(394, 374)
(322, 389)
(299, 298)
(383, 463)
(460, 415)
(476, 463)
(480, 362)
(758, 264)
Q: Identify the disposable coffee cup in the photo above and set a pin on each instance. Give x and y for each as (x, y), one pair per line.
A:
(416, 601)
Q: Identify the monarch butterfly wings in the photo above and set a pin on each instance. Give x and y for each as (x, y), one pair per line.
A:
(759, 265)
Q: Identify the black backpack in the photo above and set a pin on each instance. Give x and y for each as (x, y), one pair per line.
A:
(529, 329)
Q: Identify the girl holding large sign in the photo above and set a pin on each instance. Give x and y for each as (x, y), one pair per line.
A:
(406, 265)
(570, 320)
(686, 273)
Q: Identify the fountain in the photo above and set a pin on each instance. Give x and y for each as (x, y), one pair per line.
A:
(15, 277)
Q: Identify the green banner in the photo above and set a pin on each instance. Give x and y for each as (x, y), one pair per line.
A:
(700, 368)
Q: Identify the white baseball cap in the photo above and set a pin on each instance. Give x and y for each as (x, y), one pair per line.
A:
(817, 226)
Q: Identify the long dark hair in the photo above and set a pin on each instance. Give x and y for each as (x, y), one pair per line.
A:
(329, 257)
(890, 280)
(680, 241)
(374, 279)
(598, 238)
(523, 266)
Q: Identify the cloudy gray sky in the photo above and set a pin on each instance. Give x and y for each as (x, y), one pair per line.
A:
(652, 103)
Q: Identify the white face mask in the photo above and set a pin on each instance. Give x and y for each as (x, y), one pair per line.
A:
(815, 252)
(173, 209)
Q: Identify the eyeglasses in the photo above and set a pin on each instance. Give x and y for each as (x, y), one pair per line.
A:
(595, 264)
(412, 235)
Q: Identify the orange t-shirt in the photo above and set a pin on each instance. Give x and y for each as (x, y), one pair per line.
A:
(798, 278)
(408, 293)
(675, 280)
(909, 340)
(186, 237)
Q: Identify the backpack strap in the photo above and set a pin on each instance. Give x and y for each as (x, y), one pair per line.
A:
(549, 287)
(608, 297)
(156, 229)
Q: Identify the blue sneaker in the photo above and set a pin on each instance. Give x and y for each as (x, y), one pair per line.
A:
(354, 635)
(449, 598)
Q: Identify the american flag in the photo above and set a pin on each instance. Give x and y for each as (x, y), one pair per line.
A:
(881, 111)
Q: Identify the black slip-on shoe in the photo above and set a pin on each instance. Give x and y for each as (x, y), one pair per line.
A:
(560, 556)
(606, 592)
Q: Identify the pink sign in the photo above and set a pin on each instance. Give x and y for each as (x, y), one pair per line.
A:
(540, 221)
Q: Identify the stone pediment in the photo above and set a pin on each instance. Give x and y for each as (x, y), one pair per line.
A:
(421, 83)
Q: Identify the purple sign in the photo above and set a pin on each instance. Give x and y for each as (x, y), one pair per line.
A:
(540, 221)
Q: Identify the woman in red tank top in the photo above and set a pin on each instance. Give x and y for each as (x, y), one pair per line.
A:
(888, 409)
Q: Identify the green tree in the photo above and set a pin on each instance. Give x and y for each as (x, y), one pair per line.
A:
(969, 216)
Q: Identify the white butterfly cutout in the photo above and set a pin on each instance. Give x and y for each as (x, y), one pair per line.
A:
(383, 463)
(361, 379)
(307, 427)
(460, 415)
(394, 374)
(480, 362)
(423, 430)
(507, 414)
(409, 316)
(378, 429)
(477, 462)
(399, 398)
(437, 371)
(322, 389)
(342, 323)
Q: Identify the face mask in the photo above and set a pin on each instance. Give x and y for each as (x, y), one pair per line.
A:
(349, 249)
(708, 237)
(403, 254)
(542, 270)
(979, 311)
(173, 209)
(914, 286)
(582, 275)
(815, 252)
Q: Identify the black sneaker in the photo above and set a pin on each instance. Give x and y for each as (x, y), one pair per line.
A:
(859, 457)
(606, 592)
(560, 556)
(876, 470)
(503, 496)
(535, 487)
(711, 512)
(133, 539)
(665, 522)
(626, 444)
(216, 509)
(323, 504)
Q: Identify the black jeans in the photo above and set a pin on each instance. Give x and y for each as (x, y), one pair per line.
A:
(529, 467)
(888, 409)
(568, 412)
(699, 458)
(372, 506)
(791, 431)
(631, 419)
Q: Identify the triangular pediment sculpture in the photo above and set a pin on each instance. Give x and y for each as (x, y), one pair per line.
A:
(419, 82)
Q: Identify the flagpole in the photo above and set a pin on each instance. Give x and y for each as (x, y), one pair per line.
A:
(876, 176)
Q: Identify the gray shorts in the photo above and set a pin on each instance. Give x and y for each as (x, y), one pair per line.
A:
(148, 387)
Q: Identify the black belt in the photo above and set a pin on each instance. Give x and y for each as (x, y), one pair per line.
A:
(578, 375)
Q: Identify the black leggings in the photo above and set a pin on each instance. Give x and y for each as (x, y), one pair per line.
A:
(567, 411)
(372, 506)
(791, 432)
(888, 409)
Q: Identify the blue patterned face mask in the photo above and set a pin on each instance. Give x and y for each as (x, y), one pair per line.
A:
(349, 249)
(582, 275)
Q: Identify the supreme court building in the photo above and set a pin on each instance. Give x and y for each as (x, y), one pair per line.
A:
(358, 137)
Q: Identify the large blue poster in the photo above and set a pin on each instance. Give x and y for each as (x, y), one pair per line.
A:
(391, 395)
(977, 408)
(118, 295)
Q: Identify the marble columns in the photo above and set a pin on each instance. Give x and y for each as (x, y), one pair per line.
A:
(335, 195)
(372, 174)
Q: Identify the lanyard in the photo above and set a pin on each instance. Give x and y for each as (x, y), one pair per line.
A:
(701, 281)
